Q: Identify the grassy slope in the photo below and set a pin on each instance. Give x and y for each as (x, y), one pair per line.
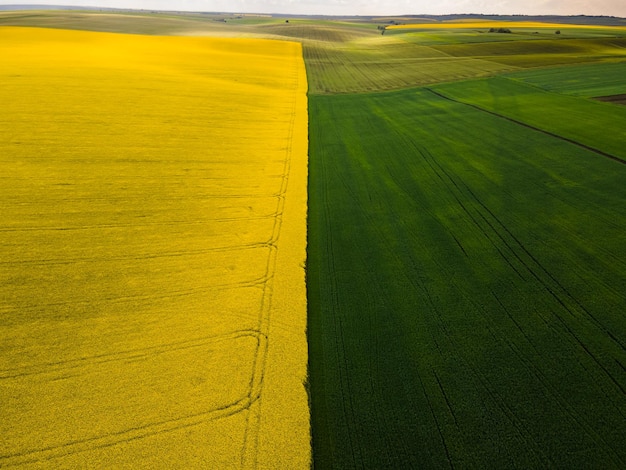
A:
(466, 290)
(137, 23)
(541, 53)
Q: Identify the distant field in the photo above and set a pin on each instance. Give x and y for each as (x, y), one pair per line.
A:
(130, 22)
(355, 57)
(409, 56)
(514, 25)
(541, 53)
(152, 244)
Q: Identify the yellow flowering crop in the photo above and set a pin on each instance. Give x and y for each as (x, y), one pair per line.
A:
(483, 24)
(152, 241)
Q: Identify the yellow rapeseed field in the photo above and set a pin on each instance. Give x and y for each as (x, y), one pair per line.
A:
(152, 247)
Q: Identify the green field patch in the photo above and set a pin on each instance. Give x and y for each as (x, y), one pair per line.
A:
(442, 36)
(318, 31)
(431, 38)
(584, 121)
(539, 53)
(589, 80)
(466, 289)
(385, 63)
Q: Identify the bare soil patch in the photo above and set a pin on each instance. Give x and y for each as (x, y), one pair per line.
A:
(615, 99)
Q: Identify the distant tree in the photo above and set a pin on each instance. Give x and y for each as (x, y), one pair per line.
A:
(557, 31)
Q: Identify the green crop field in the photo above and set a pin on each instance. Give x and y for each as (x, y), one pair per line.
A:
(540, 53)
(466, 260)
(466, 289)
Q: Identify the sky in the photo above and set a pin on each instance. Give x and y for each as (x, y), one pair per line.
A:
(361, 7)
